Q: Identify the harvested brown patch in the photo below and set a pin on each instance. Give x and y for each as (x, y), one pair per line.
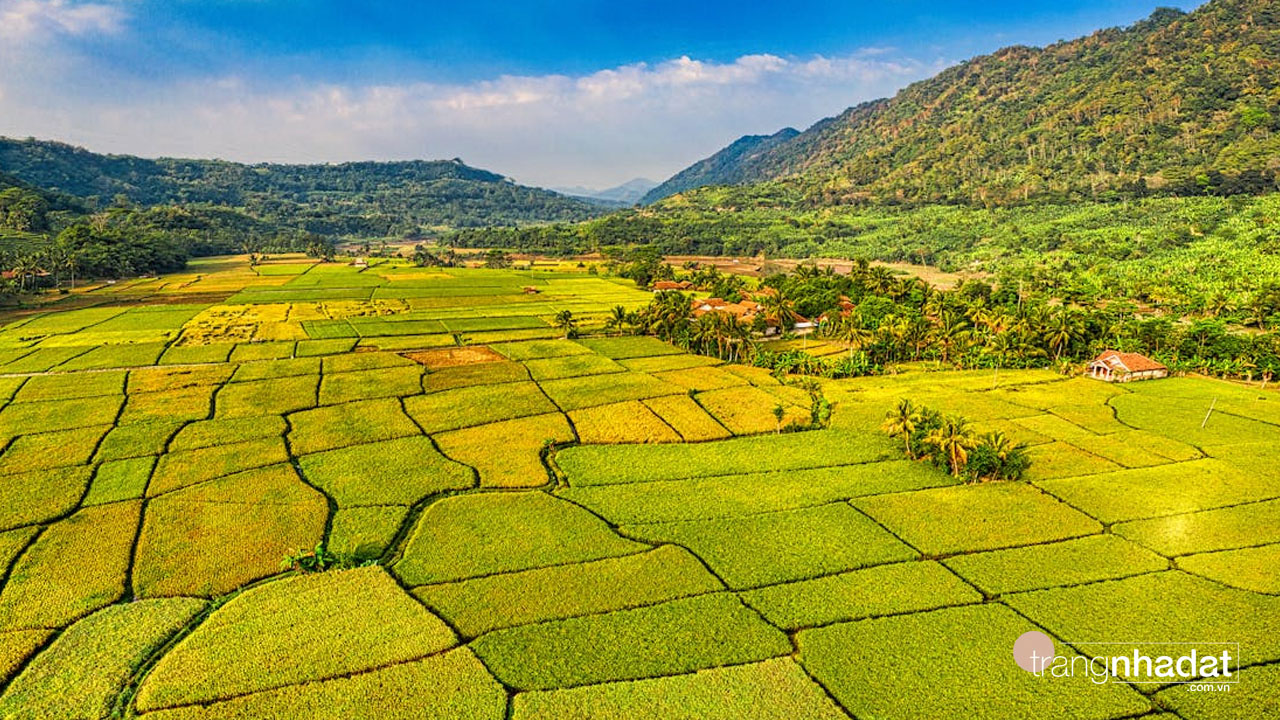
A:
(454, 356)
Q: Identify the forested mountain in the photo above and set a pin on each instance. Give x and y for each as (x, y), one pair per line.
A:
(628, 193)
(349, 199)
(731, 166)
(1178, 104)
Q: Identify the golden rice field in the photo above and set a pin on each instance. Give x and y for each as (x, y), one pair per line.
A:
(540, 528)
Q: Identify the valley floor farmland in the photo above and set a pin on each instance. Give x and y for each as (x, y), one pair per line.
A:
(604, 528)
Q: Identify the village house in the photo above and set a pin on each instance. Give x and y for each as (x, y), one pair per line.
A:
(1113, 366)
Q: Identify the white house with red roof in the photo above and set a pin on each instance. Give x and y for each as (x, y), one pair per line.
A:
(1114, 366)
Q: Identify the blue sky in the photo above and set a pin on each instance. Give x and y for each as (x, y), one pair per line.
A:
(551, 93)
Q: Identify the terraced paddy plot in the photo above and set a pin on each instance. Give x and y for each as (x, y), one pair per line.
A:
(267, 397)
(770, 690)
(453, 684)
(608, 465)
(369, 384)
(181, 469)
(1221, 529)
(194, 403)
(1164, 607)
(967, 518)
(687, 418)
(620, 348)
(1072, 562)
(674, 637)
(211, 548)
(27, 418)
(475, 607)
(749, 410)
(735, 495)
(581, 392)
(470, 406)
(467, 375)
(394, 472)
(779, 547)
(1060, 459)
(85, 669)
(540, 349)
(364, 532)
(157, 379)
(872, 592)
(1180, 419)
(626, 422)
(42, 388)
(303, 629)
(1256, 568)
(935, 654)
(136, 440)
(338, 426)
(1164, 490)
(119, 480)
(75, 567)
(1254, 697)
(507, 454)
(571, 366)
(45, 451)
(483, 534)
(226, 431)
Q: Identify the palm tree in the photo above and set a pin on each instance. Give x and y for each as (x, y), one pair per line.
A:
(950, 331)
(778, 412)
(852, 331)
(1065, 327)
(780, 309)
(903, 421)
(565, 321)
(953, 440)
(618, 318)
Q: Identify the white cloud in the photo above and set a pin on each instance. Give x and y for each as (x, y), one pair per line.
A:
(35, 19)
(595, 129)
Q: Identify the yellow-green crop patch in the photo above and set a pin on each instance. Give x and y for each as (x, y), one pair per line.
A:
(370, 384)
(453, 684)
(25, 418)
(475, 607)
(871, 592)
(137, 440)
(770, 690)
(184, 354)
(267, 397)
(780, 547)
(674, 637)
(43, 359)
(477, 405)
(748, 410)
(116, 356)
(364, 532)
(184, 468)
(338, 426)
(303, 629)
(87, 667)
(394, 472)
(266, 370)
(40, 388)
(687, 418)
(194, 403)
(36, 497)
(468, 375)
(118, 480)
(580, 392)
(508, 453)
(934, 654)
(1137, 610)
(226, 431)
(1098, 557)
(1061, 459)
(157, 379)
(211, 548)
(46, 451)
(1163, 490)
(568, 366)
(607, 465)
(75, 567)
(977, 517)
(1255, 568)
(625, 422)
(482, 534)
(1220, 529)
(735, 495)
(620, 348)
(246, 352)
(537, 349)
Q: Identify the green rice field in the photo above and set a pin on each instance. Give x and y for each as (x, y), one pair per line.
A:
(537, 528)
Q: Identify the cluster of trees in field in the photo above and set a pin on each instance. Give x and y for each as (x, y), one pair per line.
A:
(951, 443)
(887, 319)
(1185, 255)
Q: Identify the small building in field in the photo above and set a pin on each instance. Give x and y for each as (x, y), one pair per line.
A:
(1113, 366)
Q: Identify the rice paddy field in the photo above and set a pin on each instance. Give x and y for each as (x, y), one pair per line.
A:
(540, 528)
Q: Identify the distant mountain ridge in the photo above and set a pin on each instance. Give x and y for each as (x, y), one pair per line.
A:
(730, 166)
(628, 193)
(1179, 103)
(356, 198)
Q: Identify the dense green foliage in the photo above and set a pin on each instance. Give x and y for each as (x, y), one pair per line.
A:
(1181, 104)
(367, 199)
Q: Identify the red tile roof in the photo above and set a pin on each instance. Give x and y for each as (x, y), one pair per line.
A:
(1133, 362)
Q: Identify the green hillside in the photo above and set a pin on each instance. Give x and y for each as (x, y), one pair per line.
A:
(1178, 104)
(349, 199)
